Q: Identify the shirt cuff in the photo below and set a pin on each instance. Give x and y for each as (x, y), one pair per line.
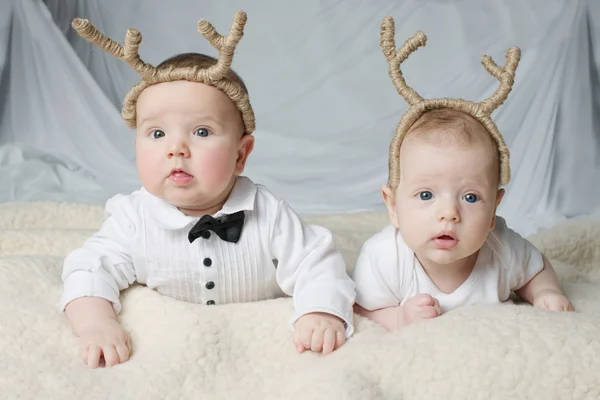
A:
(86, 284)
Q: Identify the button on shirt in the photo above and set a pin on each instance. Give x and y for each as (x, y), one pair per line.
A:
(387, 273)
(144, 239)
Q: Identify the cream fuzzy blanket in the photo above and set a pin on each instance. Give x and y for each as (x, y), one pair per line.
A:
(244, 351)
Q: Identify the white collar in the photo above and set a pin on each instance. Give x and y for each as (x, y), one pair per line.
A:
(167, 216)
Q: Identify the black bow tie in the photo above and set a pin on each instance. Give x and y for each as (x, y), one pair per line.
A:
(228, 227)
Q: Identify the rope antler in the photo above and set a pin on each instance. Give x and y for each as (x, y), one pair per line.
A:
(225, 45)
(505, 75)
(396, 57)
(418, 106)
(128, 52)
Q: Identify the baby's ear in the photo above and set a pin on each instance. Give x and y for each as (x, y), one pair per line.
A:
(388, 197)
(244, 150)
(499, 197)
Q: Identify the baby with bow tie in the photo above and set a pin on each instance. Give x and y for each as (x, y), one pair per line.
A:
(197, 230)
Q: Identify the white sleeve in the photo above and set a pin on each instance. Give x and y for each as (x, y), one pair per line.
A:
(376, 282)
(524, 261)
(310, 269)
(103, 265)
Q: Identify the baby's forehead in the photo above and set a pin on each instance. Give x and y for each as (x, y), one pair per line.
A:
(453, 129)
(440, 160)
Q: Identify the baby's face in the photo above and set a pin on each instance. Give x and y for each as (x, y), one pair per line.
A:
(446, 201)
(189, 144)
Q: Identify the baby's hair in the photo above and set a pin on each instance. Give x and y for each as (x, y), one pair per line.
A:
(183, 67)
(481, 111)
(199, 60)
(445, 126)
(450, 126)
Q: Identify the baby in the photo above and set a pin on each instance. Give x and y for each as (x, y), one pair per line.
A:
(198, 231)
(445, 247)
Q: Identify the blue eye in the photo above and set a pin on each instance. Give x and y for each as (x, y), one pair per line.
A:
(426, 195)
(471, 198)
(157, 134)
(202, 132)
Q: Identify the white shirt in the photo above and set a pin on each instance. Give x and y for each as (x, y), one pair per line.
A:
(144, 239)
(387, 273)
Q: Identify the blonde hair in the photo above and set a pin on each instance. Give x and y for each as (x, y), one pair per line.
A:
(480, 111)
(191, 67)
(451, 126)
(445, 126)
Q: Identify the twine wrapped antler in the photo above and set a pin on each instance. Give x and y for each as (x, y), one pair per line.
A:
(215, 75)
(225, 45)
(505, 75)
(481, 111)
(128, 52)
(396, 57)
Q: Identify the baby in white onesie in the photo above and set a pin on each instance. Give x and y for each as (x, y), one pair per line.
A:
(198, 231)
(445, 247)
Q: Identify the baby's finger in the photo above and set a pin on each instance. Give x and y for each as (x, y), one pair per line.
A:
(424, 299)
(554, 305)
(328, 341)
(83, 352)
(93, 356)
(566, 306)
(436, 305)
(340, 339)
(297, 341)
(306, 337)
(316, 343)
(428, 312)
(123, 352)
(110, 355)
(128, 343)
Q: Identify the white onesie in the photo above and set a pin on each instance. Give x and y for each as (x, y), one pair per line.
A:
(387, 273)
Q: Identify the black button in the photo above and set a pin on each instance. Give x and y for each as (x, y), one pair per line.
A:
(207, 262)
(210, 285)
(210, 303)
(205, 234)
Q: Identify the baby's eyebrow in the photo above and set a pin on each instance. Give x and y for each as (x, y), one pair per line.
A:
(208, 117)
(146, 120)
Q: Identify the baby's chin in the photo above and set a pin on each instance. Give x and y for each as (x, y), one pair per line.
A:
(190, 202)
(446, 257)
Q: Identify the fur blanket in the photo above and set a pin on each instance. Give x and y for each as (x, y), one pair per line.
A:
(244, 351)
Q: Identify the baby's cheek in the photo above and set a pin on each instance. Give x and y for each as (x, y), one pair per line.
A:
(216, 168)
(148, 168)
(411, 227)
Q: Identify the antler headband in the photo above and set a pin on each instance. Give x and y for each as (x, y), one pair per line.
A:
(215, 75)
(418, 106)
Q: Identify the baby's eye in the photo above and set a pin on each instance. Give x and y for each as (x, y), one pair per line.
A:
(202, 132)
(471, 198)
(157, 134)
(426, 195)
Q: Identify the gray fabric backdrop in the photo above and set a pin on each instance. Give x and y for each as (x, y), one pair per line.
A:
(326, 108)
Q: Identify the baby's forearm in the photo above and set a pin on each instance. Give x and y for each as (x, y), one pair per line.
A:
(86, 311)
(389, 318)
(546, 279)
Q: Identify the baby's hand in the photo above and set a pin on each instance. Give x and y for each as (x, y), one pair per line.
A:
(107, 339)
(416, 308)
(553, 300)
(319, 332)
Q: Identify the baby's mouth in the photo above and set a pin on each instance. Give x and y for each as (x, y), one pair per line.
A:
(445, 237)
(180, 174)
(180, 177)
(445, 240)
